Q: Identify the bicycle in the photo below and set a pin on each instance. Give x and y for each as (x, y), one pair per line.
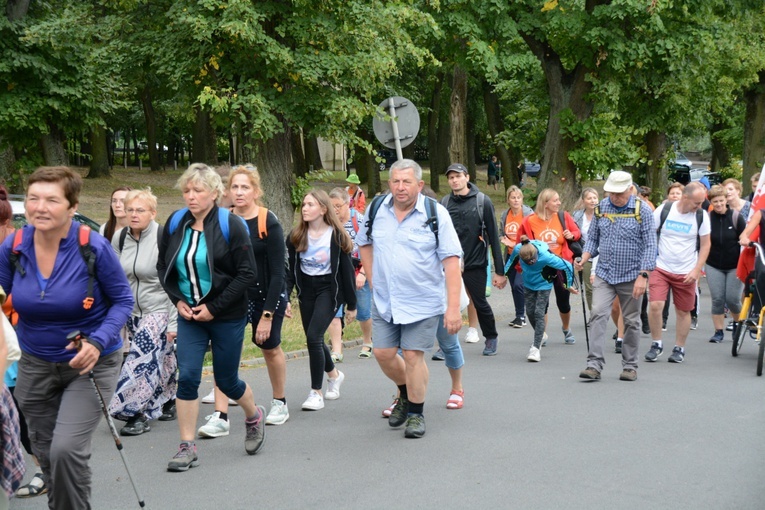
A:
(751, 321)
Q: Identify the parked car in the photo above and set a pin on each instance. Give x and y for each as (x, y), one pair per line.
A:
(389, 157)
(532, 168)
(684, 175)
(681, 159)
(20, 218)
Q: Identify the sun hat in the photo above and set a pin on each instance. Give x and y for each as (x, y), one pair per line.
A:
(353, 179)
(618, 181)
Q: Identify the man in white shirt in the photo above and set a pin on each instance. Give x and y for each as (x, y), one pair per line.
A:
(683, 228)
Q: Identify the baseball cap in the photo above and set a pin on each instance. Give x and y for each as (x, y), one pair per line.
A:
(618, 181)
(456, 167)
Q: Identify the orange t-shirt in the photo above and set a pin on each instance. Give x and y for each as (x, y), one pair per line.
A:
(512, 224)
(550, 231)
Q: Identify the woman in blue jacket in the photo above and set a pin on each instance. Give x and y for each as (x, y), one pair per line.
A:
(206, 265)
(54, 295)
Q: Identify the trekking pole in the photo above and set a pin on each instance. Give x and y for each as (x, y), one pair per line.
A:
(77, 338)
(584, 307)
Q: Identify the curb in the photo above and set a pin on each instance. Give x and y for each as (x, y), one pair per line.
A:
(302, 353)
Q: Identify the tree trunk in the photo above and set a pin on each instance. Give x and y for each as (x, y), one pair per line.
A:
(151, 127)
(458, 152)
(312, 154)
(656, 170)
(205, 148)
(720, 154)
(85, 154)
(172, 146)
(52, 147)
(506, 155)
(366, 166)
(8, 172)
(16, 9)
(568, 92)
(99, 162)
(274, 161)
(434, 132)
(754, 129)
(470, 155)
(298, 156)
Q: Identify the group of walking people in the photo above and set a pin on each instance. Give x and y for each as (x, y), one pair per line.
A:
(150, 300)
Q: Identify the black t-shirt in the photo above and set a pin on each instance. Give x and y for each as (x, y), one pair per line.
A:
(270, 257)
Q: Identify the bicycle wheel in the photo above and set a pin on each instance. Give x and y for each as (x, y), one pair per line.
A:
(760, 357)
(740, 331)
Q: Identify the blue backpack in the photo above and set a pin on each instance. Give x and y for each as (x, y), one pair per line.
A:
(223, 219)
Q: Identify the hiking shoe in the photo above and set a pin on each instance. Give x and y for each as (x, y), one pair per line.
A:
(718, 337)
(337, 357)
(654, 352)
(333, 387)
(544, 339)
(215, 427)
(279, 414)
(589, 373)
(618, 346)
(135, 426)
(518, 322)
(491, 347)
(185, 458)
(255, 435)
(628, 374)
(415, 426)
(386, 412)
(169, 412)
(399, 412)
(694, 323)
(534, 354)
(677, 355)
(664, 324)
(472, 336)
(314, 402)
(568, 337)
(438, 355)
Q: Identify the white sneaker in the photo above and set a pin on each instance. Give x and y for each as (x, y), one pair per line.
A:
(472, 336)
(215, 427)
(534, 354)
(544, 339)
(210, 397)
(314, 402)
(278, 414)
(333, 387)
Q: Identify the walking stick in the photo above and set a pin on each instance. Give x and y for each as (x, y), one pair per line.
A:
(77, 338)
(584, 308)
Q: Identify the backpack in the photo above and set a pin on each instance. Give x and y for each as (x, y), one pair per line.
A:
(83, 237)
(430, 207)
(480, 200)
(123, 236)
(223, 219)
(575, 246)
(663, 218)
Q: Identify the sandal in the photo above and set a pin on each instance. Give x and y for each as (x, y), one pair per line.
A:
(366, 352)
(34, 488)
(337, 357)
(456, 399)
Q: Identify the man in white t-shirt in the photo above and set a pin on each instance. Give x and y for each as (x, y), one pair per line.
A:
(683, 249)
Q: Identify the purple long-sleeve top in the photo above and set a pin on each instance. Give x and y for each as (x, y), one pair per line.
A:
(46, 317)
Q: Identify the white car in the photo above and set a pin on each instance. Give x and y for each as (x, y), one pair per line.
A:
(20, 217)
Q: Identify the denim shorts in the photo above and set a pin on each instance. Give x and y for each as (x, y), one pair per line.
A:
(363, 304)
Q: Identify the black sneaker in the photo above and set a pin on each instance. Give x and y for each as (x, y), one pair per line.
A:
(694, 323)
(646, 328)
(415, 426)
(169, 413)
(677, 355)
(664, 324)
(135, 427)
(618, 346)
(654, 353)
(518, 322)
(616, 335)
(399, 414)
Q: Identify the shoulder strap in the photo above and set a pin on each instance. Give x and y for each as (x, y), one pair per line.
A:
(699, 221)
(663, 217)
(371, 211)
(735, 217)
(224, 218)
(446, 199)
(562, 219)
(18, 237)
(262, 220)
(638, 206)
(123, 235)
(431, 206)
(83, 237)
(355, 220)
(175, 220)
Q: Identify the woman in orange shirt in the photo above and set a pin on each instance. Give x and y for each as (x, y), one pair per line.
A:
(509, 225)
(545, 225)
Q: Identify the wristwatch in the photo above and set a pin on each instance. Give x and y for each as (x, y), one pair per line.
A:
(268, 316)
(644, 275)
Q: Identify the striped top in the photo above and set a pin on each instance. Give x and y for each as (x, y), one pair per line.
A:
(194, 278)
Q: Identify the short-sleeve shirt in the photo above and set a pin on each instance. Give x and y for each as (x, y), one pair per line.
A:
(409, 282)
(512, 224)
(316, 261)
(677, 242)
(550, 231)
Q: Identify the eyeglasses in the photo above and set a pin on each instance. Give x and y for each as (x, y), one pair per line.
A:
(137, 211)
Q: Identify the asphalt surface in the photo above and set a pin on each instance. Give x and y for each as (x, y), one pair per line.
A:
(531, 435)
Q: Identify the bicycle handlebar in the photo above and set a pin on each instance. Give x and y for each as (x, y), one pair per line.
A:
(758, 249)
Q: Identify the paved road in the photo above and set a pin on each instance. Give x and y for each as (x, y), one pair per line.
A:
(530, 436)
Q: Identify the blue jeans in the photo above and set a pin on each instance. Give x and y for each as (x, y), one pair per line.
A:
(226, 339)
(450, 346)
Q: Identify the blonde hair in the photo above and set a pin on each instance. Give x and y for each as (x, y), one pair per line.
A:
(527, 252)
(586, 191)
(544, 196)
(249, 171)
(299, 234)
(512, 189)
(142, 194)
(736, 184)
(204, 175)
(716, 191)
